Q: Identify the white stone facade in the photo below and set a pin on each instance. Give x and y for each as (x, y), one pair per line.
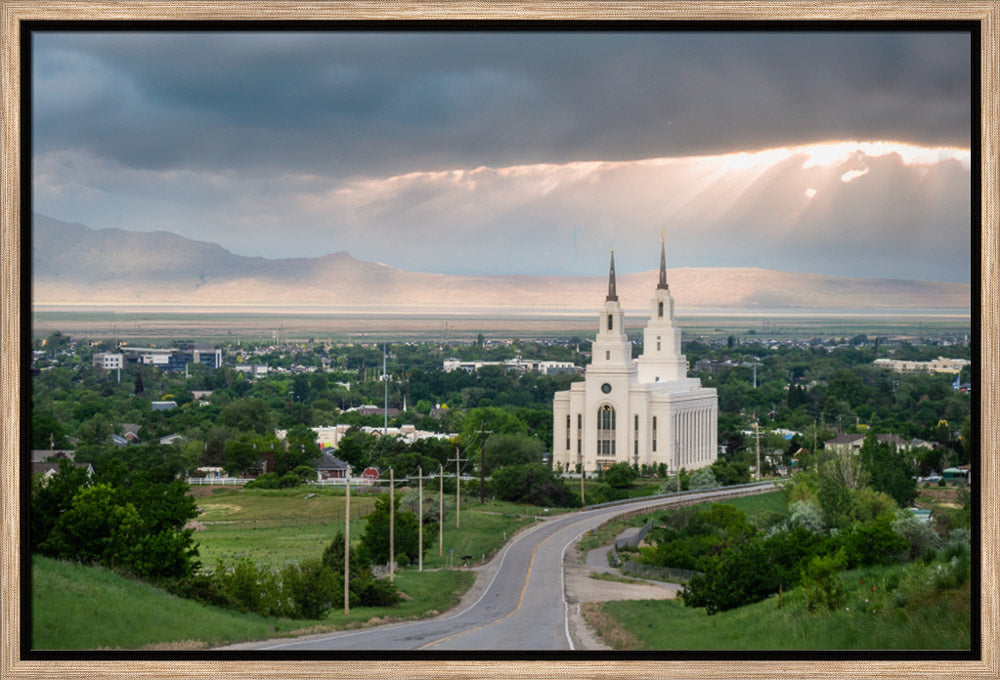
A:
(644, 411)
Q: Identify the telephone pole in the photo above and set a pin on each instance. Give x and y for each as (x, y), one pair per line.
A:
(458, 487)
(392, 525)
(482, 462)
(440, 510)
(420, 518)
(756, 427)
(347, 550)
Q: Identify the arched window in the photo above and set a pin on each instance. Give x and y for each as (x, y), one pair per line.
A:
(606, 430)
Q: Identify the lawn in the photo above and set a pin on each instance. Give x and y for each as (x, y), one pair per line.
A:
(68, 599)
(275, 527)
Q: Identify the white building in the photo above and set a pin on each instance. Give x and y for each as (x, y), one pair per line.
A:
(517, 364)
(939, 365)
(645, 411)
(109, 361)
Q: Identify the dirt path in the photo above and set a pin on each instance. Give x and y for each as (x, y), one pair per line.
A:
(583, 590)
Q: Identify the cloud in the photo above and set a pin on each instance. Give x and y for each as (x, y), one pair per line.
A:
(358, 103)
(519, 152)
(805, 208)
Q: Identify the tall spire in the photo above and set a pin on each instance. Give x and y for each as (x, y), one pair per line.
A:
(663, 262)
(612, 295)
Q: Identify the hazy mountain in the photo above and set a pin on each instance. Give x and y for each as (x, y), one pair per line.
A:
(76, 265)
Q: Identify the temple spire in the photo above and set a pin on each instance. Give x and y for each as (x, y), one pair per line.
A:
(662, 285)
(612, 295)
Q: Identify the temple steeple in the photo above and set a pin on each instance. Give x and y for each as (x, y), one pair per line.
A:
(612, 294)
(662, 285)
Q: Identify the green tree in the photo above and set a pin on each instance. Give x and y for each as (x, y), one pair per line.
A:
(505, 449)
(620, 475)
(532, 483)
(375, 537)
(889, 469)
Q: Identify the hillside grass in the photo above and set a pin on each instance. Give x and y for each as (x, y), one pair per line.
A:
(76, 607)
(873, 617)
(751, 505)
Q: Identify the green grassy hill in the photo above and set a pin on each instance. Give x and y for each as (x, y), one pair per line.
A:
(894, 607)
(78, 607)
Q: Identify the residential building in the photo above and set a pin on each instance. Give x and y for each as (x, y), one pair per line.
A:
(939, 365)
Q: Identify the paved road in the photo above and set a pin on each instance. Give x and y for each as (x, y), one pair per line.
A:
(523, 607)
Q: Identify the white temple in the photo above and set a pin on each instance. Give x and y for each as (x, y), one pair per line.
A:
(643, 411)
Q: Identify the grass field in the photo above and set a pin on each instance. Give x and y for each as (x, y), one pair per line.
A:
(78, 607)
(868, 621)
(275, 527)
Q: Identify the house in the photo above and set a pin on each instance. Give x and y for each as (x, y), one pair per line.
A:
(47, 470)
(49, 455)
(956, 474)
(331, 467)
(119, 440)
(171, 439)
(851, 443)
(131, 432)
(164, 405)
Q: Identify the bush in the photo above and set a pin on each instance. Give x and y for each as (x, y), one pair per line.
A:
(703, 478)
(532, 483)
(737, 577)
(922, 538)
(620, 476)
(270, 480)
(872, 542)
(375, 537)
(821, 581)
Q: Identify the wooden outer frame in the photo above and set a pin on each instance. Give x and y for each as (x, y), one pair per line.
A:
(13, 12)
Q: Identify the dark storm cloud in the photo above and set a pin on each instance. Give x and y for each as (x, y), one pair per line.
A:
(348, 104)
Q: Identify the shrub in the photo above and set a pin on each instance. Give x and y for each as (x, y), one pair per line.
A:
(922, 538)
(703, 478)
(821, 581)
(872, 542)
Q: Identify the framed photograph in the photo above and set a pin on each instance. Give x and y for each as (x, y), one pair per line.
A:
(359, 181)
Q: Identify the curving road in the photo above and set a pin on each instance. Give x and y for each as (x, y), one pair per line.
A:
(523, 606)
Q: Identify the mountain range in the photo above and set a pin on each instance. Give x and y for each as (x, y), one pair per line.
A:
(75, 265)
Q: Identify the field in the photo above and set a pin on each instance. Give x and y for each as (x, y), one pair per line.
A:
(274, 527)
(223, 324)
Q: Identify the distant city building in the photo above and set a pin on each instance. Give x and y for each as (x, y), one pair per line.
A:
(643, 412)
(174, 358)
(516, 364)
(329, 436)
(939, 365)
(253, 370)
(109, 361)
(851, 443)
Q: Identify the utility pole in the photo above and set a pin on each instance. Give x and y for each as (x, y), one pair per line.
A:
(482, 462)
(458, 488)
(385, 409)
(420, 518)
(440, 510)
(347, 550)
(756, 427)
(392, 525)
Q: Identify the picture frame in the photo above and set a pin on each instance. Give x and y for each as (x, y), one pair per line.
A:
(13, 14)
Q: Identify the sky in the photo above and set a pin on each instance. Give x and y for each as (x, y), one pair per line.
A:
(519, 153)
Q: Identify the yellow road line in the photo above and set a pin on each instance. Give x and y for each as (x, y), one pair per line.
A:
(520, 601)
